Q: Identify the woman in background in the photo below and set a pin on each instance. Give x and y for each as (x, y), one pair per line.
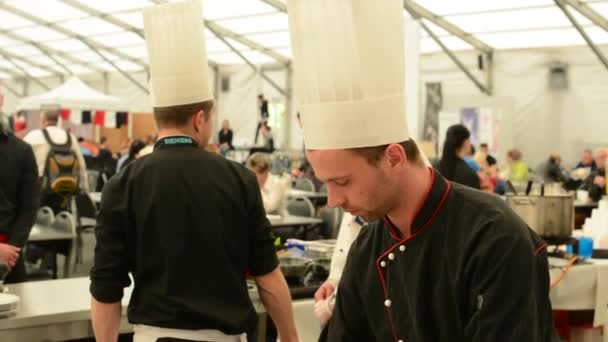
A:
(273, 188)
(134, 150)
(225, 137)
(452, 165)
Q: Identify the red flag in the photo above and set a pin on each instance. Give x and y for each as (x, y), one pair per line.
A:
(65, 114)
(99, 118)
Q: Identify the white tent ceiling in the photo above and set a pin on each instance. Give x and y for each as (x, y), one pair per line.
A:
(54, 37)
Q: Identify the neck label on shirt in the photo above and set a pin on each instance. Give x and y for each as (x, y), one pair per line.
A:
(175, 141)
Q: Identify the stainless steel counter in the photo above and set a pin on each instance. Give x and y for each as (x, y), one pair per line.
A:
(292, 221)
(56, 310)
(44, 233)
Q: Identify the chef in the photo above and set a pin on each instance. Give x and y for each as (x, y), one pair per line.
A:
(438, 261)
(188, 225)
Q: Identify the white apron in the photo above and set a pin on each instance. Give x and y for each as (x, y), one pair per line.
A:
(146, 333)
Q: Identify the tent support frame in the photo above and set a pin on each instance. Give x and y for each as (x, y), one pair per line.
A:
(582, 32)
(7, 7)
(24, 72)
(122, 72)
(588, 12)
(486, 89)
(418, 11)
(11, 89)
(248, 62)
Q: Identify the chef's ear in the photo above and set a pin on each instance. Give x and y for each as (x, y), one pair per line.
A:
(198, 120)
(395, 155)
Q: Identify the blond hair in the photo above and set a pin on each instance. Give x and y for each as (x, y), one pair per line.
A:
(258, 162)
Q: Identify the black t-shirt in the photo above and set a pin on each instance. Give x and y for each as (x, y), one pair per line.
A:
(188, 225)
(19, 189)
(264, 110)
(225, 137)
(471, 270)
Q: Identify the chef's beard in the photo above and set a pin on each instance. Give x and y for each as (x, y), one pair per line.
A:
(386, 198)
(371, 216)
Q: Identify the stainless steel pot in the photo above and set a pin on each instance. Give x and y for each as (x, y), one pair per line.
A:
(294, 266)
(549, 216)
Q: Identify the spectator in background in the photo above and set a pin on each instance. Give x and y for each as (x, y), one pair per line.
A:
(86, 151)
(551, 170)
(587, 161)
(268, 137)
(124, 153)
(599, 157)
(19, 199)
(595, 184)
(134, 153)
(516, 169)
(585, 167)
(20, 125)
(124, 147)
(483, 148)
(149, 147)
(150, 139)
(268, 145)
(471, 161)
(264, 115)
(263, 103)
(103, 147)
(487, 182)
(42, 147)
(225, 137)
(273, 188)
(452, 165)
(106, 163)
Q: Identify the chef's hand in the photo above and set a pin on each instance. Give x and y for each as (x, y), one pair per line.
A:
(323, 311)
(325, 291)
(599, 181)
(10, 254)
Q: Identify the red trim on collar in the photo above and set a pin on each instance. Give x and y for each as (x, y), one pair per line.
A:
(539, 249)
(401, 241)
(395, 234)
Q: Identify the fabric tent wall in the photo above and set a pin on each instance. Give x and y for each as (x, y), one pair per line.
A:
(239, 104)
(536, 120)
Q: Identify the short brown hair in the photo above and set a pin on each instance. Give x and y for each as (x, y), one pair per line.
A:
(177, 116)
(374, 154)
(514, 154)
(259, 162)
(51, 115)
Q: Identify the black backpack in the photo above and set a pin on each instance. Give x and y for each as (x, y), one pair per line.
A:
(62, 170)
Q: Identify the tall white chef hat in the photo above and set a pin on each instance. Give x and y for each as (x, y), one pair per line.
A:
(175, 38)
(349, 71)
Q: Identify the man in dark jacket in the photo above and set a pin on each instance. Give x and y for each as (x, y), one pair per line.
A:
(19, 198)
(596, 182)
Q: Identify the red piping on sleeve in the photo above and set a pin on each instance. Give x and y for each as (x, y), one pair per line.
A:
(539, 249)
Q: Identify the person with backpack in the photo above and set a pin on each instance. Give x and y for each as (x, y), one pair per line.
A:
(61, 165)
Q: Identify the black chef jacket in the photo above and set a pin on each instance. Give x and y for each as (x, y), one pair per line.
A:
(471, 271)
(188, 225)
